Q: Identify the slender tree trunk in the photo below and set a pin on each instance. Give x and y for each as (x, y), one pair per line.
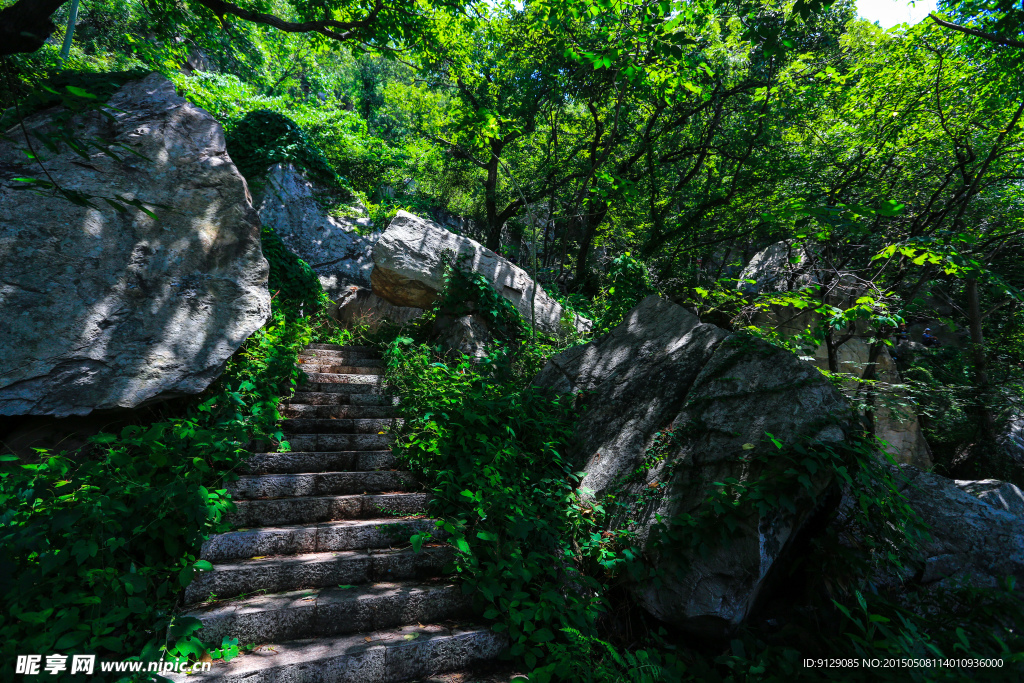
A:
(983, 387)
(491, 204)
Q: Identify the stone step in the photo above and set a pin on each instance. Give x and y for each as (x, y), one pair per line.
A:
(403, 654)
(253, 486)
(317, 346)
(322, 612)
(314, 461)
(343, 369)
(352, 395)
(339, 358)
(306, 509)
(372, 379)
(361, 387)
(337, 412)
(316, 538)
(339, 442)
(372, 425)
(341, 355)
(317, 570)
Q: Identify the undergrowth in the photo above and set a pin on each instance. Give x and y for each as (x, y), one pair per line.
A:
(544, 560)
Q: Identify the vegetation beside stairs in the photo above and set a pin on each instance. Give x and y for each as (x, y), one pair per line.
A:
(318, 573)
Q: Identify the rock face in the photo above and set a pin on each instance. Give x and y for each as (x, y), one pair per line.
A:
(466, 334)
(358, 306)
(972, 538)
(672, 405)
(999, 494)
(332, 247)
(409, 271)
(106, 309)
(784, 266)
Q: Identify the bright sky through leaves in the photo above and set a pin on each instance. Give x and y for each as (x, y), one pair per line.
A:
(888, 13)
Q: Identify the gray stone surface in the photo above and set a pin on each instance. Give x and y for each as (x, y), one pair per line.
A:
(340, 442)
(332, 246)
(358, 425)
(999, 494)
(402, 654)
(329, 611)
(972, 539)
(322, 508)
(105, 309)
(338, 412)
(341, 461)
(251, 486)
(661, 371)
(409, 271)
(467, 334)
(360, 307)
(313, 538)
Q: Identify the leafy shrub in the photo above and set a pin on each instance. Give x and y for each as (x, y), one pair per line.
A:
(95, 546)
(264, 138)
(294, 285)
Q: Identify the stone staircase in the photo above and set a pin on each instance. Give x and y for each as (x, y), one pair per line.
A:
(318, 573)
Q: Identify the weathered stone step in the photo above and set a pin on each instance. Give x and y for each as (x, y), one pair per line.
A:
(321, 612)
(338, 368)
(390, 656)
(361, 387)
(252, 486)
(371, 425)
(339, 359)
(343, 355)
(317, 570)
(370, 379)
(338, 412)
(314, 461)
(339, 442)
(306, 509)
(317, 346)
(351, 394)
(315, 538)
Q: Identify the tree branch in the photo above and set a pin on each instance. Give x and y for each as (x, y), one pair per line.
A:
(338, 30)
(991, 37)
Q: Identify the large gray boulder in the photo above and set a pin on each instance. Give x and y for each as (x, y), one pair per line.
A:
(670, 406)
(1001, 495)
(104, 308)
(359, 307)
(409, 261)
(333, 247)
(975, 534)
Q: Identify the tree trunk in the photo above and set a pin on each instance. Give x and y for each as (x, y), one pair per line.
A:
(983, 387)
(491, 204)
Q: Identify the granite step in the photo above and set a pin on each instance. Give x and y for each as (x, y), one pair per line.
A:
(294, 539)
(339, 359)
(317, 570)
(353, 396)
(365, 386)
(318, 346)
(337, 412)
(371, 425)
(305, 509)
(254, 486)
(406, 653)
(369, 379)
(332, 611)
(342, 369)
(319, 461)
(348, 352)
(339, 442)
